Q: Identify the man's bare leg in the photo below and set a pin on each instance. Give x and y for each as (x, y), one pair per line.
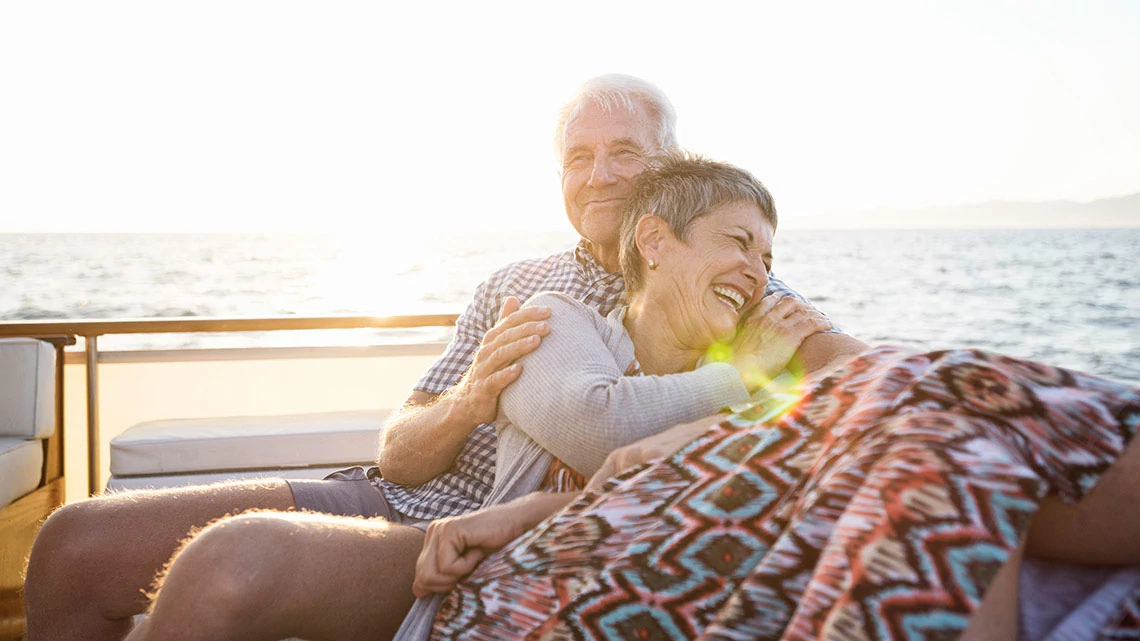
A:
(93, 560)
(277, 575)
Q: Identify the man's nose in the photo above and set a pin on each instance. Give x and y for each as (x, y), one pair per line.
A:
(602, 172)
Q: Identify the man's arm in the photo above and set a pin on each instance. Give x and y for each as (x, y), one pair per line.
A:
(422, 440)
(825, 350)
(820, 350)
(657, 446)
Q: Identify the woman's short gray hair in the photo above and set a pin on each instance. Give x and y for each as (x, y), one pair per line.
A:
(679, 188)
(619, 91)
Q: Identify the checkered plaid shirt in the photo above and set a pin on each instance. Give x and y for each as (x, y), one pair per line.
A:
(575, 273)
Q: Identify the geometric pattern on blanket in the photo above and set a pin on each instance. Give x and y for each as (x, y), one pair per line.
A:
(879, 507)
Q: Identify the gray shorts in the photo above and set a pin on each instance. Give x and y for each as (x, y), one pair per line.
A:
(353, 491)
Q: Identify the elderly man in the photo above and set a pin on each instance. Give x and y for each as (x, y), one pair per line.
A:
(443, 439)
(285, 560)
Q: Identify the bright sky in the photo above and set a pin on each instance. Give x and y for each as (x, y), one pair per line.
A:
(340, 116)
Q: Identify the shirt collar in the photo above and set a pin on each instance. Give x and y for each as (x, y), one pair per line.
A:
(591, 268)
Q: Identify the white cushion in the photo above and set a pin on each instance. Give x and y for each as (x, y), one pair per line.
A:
(182, 446)
(120, 483)
(27, 388)
(21, 462)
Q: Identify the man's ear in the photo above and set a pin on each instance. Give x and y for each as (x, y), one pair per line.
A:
(651, 235)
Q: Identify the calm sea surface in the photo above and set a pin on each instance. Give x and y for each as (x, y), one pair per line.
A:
(1065, 297)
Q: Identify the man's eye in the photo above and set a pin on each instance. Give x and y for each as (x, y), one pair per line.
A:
(742, 241)
(577, 161)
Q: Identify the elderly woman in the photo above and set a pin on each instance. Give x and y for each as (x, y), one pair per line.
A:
(695, 257)
(888, 501)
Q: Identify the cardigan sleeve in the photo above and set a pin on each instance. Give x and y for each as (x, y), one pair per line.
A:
(574, 400)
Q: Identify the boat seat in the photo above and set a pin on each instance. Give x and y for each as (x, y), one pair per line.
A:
(31, 463)
(21, 461)
(27, 413)
(179, 452)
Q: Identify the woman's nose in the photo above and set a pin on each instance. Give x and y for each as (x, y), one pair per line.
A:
(756, 272)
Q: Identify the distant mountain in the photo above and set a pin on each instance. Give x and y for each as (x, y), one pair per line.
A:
(1119, 211)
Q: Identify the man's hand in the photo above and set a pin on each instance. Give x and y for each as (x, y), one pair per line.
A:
(770, 335)
(455, 545)
(422, 440)
(647, 449)
(516, 334)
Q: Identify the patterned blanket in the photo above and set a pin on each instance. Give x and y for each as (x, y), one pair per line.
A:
(879, 506)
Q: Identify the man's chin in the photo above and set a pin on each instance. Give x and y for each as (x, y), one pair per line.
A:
(601, 231)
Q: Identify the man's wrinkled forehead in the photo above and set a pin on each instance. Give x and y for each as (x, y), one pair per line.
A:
(595, 116)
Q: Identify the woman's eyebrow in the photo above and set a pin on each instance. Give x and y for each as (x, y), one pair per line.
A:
(748, 235)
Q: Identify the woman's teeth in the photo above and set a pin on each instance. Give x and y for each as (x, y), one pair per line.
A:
(730, 296)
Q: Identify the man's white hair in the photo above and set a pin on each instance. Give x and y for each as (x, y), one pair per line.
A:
(620, 91)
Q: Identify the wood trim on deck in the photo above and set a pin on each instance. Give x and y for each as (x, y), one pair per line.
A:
(434, 348)
(100, 327)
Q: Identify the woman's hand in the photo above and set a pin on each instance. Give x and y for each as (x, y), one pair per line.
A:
(769, 337)
(455, 545)
(647, 449)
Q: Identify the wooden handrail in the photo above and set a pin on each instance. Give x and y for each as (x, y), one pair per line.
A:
(100, 327)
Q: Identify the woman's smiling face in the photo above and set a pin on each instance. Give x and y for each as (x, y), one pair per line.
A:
(708, 283)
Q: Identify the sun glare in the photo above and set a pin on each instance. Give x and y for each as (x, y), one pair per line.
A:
(373, 276)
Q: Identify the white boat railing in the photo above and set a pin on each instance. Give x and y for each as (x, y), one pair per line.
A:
(90, 330)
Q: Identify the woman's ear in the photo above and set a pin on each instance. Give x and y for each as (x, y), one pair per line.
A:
(652, 234)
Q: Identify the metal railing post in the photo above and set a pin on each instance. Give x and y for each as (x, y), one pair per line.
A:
(94, 459)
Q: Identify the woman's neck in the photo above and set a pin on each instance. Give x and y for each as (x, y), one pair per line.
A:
(655, 343)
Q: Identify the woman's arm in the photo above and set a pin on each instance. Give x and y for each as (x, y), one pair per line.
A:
(647, 449)
(574, 400)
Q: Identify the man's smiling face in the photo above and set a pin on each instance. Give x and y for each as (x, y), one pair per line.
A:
(603, 153)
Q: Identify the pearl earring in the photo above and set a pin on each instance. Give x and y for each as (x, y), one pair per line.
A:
(652, 264)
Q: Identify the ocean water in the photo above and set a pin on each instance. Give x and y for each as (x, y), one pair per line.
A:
(1066, 297)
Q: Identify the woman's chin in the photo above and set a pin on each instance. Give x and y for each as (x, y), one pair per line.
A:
(724, 335)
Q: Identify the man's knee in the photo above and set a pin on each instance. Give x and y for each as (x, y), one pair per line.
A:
(234, 563)
(66, 554)
(69, 538)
